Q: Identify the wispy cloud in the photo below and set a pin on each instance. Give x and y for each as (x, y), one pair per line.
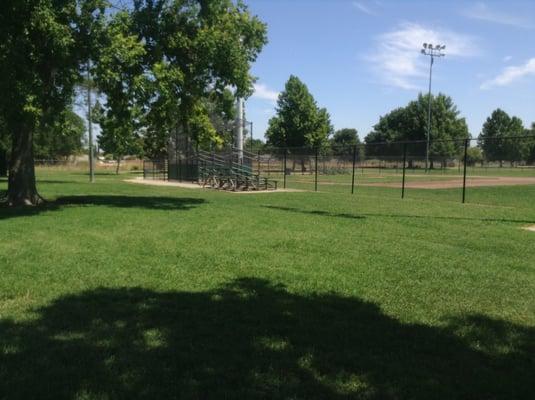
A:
(397, 59)
(511, 74)
(507, 58)
(363, 7)
(483, 12)
(261, 91)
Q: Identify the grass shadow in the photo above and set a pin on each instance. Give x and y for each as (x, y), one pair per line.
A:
(145, 202)
(255, 340)
(54, 181)
(316, 212)
(152, 203)
(389, 215)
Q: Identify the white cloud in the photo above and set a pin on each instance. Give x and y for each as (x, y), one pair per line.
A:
(364, 8)
(511, 74)
(507, 58)
(482, 12)
(261, 91)
(397, 58)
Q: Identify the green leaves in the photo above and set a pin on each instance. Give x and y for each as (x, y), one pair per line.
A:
(299, 122)
(119, 74)
(196, 50)
(495, 138)
(409, 123)
(61, 140)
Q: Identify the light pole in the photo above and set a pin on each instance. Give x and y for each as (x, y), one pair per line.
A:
(251, 132)
(239, 131)
(432, 52)
(90, 126)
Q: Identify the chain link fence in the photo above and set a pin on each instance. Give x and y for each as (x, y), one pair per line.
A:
(491, 169)
(499, 171)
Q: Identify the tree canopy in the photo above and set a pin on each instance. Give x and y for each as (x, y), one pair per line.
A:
(159, 65)
(299, 121)
(496, 138)
(195, 51)
(36, 89)
(409, 123)
(343, 140)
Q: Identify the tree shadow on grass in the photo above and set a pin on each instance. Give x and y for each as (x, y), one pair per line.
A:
(386, 215)
(254, 340)
(145, 202)
(55, 181)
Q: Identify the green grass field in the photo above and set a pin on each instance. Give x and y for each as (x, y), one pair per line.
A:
(120, 291)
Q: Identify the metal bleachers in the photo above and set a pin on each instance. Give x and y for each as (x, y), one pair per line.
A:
(231, 170)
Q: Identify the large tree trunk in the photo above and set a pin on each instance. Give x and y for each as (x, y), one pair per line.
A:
(21, 189)
(3, 163)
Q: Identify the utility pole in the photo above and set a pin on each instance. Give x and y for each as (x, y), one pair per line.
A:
(432, 52)
(90, 126)
(251, 123)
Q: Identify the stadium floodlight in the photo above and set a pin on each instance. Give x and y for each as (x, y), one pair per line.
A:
(428, 50)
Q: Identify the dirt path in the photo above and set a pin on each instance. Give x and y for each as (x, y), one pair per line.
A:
(457, 183)
(157, 182)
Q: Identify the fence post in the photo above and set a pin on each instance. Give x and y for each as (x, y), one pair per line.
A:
(316, 173)
(464, 167)
(353, 174)
(404, 166)
(284, 169)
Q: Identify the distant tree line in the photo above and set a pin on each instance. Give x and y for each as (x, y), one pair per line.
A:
(300, 125)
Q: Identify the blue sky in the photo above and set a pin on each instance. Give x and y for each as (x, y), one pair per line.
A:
(360, 59)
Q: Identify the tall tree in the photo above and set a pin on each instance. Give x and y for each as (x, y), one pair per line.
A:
(117, 138)
(343, 141)
(409, 123)
(195, 51)
(496, 138)
(43, 45)
(119, 75)
(299, 122)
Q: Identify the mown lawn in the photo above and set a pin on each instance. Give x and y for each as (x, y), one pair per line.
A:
(122, 291)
